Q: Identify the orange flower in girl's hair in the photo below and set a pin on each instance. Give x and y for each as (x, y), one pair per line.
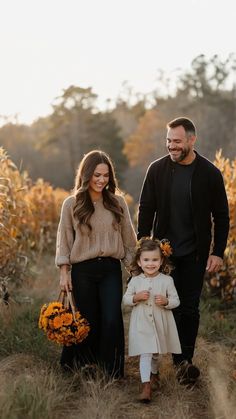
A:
(166, 248)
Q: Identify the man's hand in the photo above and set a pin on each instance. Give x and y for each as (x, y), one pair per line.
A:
(214, 263)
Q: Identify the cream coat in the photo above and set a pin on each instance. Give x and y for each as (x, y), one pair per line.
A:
(152, 328)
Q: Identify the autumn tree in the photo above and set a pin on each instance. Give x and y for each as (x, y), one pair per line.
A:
(17, 140)
(145, 143)
(76, 127)
(207, 77)
(207, 95)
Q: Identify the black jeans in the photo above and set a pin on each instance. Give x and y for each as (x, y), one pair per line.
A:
(188, 278)
(97, 290)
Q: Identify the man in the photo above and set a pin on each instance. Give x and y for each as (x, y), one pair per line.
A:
(183, 199)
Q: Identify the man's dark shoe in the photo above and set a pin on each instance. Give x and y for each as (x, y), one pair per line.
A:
(155, 380)
(187, 374)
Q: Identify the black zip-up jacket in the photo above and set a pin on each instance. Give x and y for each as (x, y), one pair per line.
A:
(208, 200)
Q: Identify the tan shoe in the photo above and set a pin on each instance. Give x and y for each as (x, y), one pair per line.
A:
(145, 396)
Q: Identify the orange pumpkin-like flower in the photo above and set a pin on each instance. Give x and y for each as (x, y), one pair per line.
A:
(57, 322)
(67, 319)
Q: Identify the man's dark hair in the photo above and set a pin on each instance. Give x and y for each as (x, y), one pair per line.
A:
(185, 122)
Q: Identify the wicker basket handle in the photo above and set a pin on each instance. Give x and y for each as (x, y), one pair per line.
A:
(71, 303)
(62, 296)
(66, 298)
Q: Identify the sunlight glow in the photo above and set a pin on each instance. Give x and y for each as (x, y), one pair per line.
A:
(48, 45)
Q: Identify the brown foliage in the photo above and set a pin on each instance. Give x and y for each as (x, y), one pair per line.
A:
(28, 217)
(225, 280)
(141, 146)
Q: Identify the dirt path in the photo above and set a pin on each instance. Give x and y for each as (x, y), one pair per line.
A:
(212, 397)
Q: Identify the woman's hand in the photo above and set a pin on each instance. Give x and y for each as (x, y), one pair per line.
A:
(161, 300)
(141, 296)
(65, 278)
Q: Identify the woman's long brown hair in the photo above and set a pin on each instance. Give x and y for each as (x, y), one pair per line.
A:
(84, 207)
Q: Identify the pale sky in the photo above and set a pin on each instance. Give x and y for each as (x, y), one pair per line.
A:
(47, 45)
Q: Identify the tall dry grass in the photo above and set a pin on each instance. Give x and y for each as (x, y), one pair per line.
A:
(28, 219)
(31, 389)
(222, 388)
(33, 386)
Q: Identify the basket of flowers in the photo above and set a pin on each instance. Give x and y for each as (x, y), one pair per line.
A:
(61, 322)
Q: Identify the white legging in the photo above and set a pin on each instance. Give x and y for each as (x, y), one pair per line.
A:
(148, 363)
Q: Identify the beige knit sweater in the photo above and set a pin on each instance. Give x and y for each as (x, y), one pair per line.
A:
(103, 240)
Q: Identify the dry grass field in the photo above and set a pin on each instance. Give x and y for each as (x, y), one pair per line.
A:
(34, 387)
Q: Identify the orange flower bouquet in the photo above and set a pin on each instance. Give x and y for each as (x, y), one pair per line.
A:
(62, 323)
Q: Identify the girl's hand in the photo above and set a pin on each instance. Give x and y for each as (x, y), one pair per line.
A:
(161, 300)
(65, 278)
(141, 296)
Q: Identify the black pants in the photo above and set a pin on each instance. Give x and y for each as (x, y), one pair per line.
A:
(188, 278)
(97, 289)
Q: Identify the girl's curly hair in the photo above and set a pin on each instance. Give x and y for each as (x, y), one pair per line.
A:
(149, 244)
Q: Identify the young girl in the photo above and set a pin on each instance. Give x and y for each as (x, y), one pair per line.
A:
(153, 295)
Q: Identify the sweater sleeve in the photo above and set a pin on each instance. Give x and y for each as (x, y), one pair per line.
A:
(147, 205)
(65, 234)
(128, 234)
(220, 214)
(129, 294)
(172, 295)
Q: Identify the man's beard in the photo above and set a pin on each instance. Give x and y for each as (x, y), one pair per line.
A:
(184, 153)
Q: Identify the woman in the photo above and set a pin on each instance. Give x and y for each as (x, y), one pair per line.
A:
(95, 232)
